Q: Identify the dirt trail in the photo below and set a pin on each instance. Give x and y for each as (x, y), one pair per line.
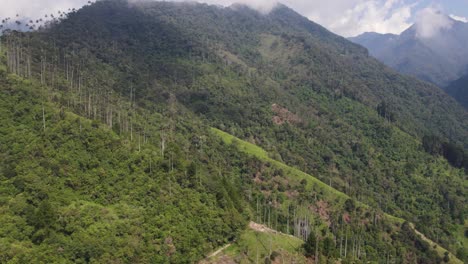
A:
(218, 251)
(252, 225)
(261, 228)
(264, 229)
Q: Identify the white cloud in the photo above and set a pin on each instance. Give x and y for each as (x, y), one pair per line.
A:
(430, 22)
(263, 6)
(260, 5)
(36, 8)
(344, 17)
(459, 18)
(392, 16)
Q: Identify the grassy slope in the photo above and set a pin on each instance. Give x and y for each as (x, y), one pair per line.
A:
(291, 172)
(258, 152)
(440, 250)
(253, 243)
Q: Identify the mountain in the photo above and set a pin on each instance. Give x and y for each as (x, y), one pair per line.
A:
(459, 90)
(156, 131)
(439, 57)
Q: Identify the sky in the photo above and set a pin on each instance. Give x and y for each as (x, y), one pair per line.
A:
(344, 17)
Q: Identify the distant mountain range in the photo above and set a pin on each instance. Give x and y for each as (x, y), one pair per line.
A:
(439, 58)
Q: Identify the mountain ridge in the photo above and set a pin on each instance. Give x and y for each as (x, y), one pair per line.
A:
(438, 58)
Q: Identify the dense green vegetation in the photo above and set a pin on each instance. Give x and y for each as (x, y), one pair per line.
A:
(322, 241)
(459, 90)
(79, 192)
(108, 154)
(454, 154)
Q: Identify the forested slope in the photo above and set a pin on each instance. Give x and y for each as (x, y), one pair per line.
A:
(149, 80)
(76, 190)
(459, 90)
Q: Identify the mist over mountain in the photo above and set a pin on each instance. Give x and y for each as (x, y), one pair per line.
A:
(434, 49)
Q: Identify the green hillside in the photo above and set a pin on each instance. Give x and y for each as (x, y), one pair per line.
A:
(76, 190)
(329, 194)
(459, 90)
(77, 178)
(291, 173)
(113, 151)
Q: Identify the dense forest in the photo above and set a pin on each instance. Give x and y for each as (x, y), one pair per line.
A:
(458, 89)
(110, 152)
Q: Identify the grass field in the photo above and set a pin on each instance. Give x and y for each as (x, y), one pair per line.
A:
(254, 246)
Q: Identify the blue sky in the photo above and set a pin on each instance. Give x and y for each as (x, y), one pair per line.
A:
(456, 7)
(344, 17)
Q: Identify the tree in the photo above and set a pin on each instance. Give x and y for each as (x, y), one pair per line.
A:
(465, 162)
(453, 154)
(310, 245)
(432, 145)
(45, 215)
(191, 174)
(328, 247)
(446, 257)
(349, 205)
(385, 111)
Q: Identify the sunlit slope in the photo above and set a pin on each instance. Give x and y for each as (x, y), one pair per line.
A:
(330, 193)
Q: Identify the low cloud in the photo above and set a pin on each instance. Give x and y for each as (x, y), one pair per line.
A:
(430, 22)
(344, 17)
(37, 8)
(391, 16)
(459, 18)
(263, 7)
